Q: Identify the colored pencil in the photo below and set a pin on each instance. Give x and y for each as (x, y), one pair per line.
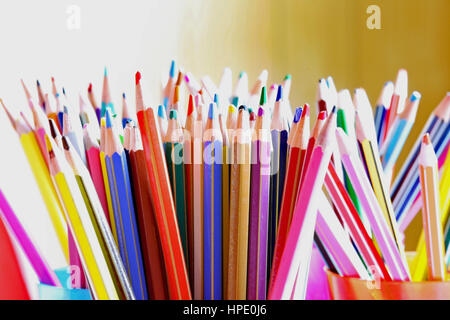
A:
(212, 206)
(239, 208)
(259, 208)
(45, 274)
(148, 232)
(381, 110)
(393, 255)
(431, 213)
(106, 96)
(279, 135)
(108, 246)
(173, 148)
(178, 281)
(80, 224)
(295, 258)
(93, 101)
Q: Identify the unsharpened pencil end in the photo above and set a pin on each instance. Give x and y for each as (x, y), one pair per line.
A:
(173, 114)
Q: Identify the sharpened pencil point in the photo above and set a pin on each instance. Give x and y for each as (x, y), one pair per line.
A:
(235, 101)
(322, 115)
(263, 98)
(426, 139)
(106, 72)
(241, 74)
(161, 111)
(260, 112)
(252, 115)
(38, 83)
(66, 110)
(108, 118)
(90, 88)
(216, 98)
(279, 93)
(298, 114)
(287, 77)
(123, 95)
(211, 110)
(333, 110)
(65, 143)
(305, 110)
(173, 114)
(415, 96)
(242, 107)
(138, 77)
(172, 69)
(190, 105)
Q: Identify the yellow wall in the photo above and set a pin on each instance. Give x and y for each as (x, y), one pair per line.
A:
(311, 39)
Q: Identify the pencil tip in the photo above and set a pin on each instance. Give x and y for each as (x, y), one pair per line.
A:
(322, 115)
(279, 93)
(173, 114)
(298, 114)
(305, 110)
(263, 98)
(426, 139)
(333, 110)
(241, 74)
(235, 101)
(216, 98)
(90, 88)
(287, 77)
(138, 77)
(211, 110)
(161, 111)
(231, 108)
(123, 95)
(172, 69)
(260, 111)
(415, 96)
(108, 120)
(252, 116)
(176, 95)
(66, 110)
(190, 105)
(65, 143)
(38, 83)
(242, 107)
(106, 72)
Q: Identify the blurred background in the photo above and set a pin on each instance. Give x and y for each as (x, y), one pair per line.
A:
(305, 38)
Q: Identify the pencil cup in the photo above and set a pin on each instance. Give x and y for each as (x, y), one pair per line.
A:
(346, 288)
(65, 292)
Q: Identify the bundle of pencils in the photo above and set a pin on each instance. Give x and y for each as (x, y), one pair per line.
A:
(223, 196)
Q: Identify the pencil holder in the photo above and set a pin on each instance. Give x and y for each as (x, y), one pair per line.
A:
(346, 288)
(47, 292)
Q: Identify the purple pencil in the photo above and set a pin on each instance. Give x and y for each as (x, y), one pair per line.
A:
(45, 274)
(259, 209)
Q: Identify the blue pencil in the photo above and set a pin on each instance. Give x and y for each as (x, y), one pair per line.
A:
(124, 213)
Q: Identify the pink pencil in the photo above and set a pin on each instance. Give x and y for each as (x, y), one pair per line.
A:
(95, 169)
(45, 274)
(394, 257)
(297, 251)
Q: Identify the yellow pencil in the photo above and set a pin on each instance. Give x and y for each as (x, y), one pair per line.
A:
(40, 171)
(78, 218)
